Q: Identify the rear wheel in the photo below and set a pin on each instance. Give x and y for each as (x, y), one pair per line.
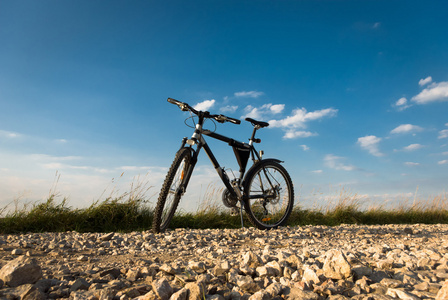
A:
(172, 190)
(269, 195)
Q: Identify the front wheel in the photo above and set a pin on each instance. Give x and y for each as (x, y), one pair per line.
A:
(269, 195)
(172, 190)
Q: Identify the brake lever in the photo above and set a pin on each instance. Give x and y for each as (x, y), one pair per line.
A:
(220, 119)
(183, 107)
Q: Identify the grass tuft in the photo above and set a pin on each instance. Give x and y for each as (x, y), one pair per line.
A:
(132, 211)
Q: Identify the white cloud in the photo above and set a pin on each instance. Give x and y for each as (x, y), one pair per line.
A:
(9, 134)
(370, 143)
(317, 171)
(425, 81)
(259, 112)
(305, 147)
(402, 104)
(293, 134)
(376, 25)
(443, 134)
(134, 168)
(413, 147)
(277, 108)
(406, 128)
(334, 162)
(435, 92)
(204, 105)
(401, 101)
(298, 119)
(252, 112)
(45, 157)
(229, 109)
(250, 94)
(300, 116)
(443, 162)
(411, 164)
(60, 167)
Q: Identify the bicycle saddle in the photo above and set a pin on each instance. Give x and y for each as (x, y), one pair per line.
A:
(259, 123)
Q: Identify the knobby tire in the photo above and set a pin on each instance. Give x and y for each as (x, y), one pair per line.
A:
(170, 193)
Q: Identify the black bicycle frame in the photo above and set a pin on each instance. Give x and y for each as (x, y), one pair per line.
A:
(242, 153)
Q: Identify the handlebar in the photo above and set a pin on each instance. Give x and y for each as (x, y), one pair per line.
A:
(219, 118)
(183, 106)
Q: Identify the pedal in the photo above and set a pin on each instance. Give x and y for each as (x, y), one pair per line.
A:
(234, 211)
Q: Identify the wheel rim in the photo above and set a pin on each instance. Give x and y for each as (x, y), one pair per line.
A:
(271, 209)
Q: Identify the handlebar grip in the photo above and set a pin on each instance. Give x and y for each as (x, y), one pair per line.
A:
(234, 121)
(183, 106)
(173, 101)
(222, 119)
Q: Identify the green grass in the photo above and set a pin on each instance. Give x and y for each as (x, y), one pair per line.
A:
(131, 212)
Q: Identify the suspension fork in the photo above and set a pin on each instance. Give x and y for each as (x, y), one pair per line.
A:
(193, 160)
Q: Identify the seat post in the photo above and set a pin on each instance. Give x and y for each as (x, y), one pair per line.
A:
(252, 138)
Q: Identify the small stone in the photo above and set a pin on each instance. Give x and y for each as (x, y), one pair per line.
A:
(266, 271)
(218, 271)
(361, 271)
(162, 289)
(296, 293)
(182, 294)
(81, 295)
(20, 271)
(82, 258)
(131, 292)
(260, 295)
(133, 274)
(195, 291)
(396, 293)
(310, 277)
(107, 237)
(80, 284)
(385, 264)
(252, 260)
(408, 230)
(422, 286)
(168, 269)
(197, 266)
(33, 294)
(337, 297)
(391, 283)
(443, 292)
(276, 266)
(17, 252)
(114, 272)
(213, 297)
(106, 294)
(149, 296)
(336, 265)
(274, 289)
(246, 283)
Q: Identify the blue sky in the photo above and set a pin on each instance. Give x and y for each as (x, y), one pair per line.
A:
(356, 93)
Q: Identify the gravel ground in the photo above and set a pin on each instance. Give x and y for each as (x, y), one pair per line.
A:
(309, 262)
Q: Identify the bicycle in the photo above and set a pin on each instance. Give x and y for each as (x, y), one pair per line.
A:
(265, 191)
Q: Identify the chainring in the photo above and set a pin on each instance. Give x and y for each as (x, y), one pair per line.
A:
(228, 200)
